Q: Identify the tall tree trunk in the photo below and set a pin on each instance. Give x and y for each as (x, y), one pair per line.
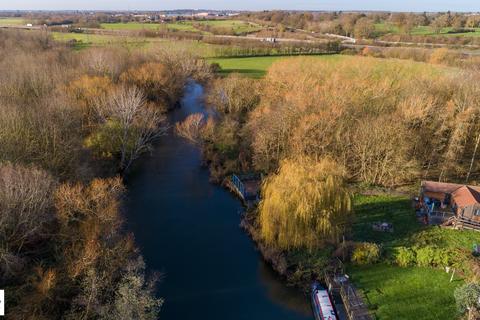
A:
(473, 158)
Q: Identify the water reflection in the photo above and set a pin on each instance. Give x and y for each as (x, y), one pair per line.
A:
(188, 229)
(280, 294)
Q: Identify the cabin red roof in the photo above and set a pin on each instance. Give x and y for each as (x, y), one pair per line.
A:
(441, 187)
(466, 196)
(462, 195)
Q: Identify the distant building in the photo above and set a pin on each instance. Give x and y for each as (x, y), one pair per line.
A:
(462, 201)
(29, 25)
(203, 14)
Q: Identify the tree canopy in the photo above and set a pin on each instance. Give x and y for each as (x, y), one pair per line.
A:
(305, 204)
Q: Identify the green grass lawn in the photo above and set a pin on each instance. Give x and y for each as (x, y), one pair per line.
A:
(384, 208)
(11, 21)
(408, 231)
(406, 293)
(257, 67)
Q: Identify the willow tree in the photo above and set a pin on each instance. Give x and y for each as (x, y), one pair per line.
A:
(305, 204)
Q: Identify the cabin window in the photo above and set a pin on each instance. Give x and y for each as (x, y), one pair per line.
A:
(477, 212)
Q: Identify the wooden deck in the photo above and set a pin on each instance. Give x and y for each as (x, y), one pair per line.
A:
(246, 187)
(353, 300)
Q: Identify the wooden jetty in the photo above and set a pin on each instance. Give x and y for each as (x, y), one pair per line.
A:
(246, 187)
(353, 300)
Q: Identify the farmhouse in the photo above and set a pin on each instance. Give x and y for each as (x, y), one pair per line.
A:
(460, 203)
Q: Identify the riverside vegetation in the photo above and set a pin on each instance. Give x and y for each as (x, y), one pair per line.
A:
(322, 130)
(316, 127)
(71, 124)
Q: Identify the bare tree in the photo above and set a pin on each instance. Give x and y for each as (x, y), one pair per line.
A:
(25, 210)
(191, 127)
(138, 124)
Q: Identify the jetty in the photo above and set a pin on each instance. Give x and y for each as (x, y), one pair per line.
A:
(246, 187)
(354, 307)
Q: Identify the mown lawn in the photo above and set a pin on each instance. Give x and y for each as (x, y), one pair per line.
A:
(408, 231)
(406, 293)
(396, 210)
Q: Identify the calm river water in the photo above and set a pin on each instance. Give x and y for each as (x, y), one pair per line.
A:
(188, 229)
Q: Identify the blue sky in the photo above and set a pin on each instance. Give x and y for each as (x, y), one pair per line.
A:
(393, 5)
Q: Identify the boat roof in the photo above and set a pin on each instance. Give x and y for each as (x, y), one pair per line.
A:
(325, 304)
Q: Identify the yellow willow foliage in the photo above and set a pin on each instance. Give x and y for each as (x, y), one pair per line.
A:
(304, 204)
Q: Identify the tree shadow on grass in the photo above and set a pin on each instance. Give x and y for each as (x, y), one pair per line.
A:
(253, 73)
(396, 210)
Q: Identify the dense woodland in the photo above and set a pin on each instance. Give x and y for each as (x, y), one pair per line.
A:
(71, 124)
(388, 123)
(381, 123)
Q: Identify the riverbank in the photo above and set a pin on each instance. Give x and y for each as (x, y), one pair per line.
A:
(387, 287)
(187, 229)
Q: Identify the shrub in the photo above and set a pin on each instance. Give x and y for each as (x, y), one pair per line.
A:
(467, 296)
(405, 257)
(425, 256)
(366, 253)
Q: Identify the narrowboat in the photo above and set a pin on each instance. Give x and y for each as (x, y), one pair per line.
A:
(322, 303)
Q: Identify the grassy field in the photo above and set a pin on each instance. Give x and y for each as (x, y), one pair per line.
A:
(235, 26)
(182, 26)
(87, 40)
(11, 21)
(406, 293)
(425, 31)
(131, 26)
(256, 67)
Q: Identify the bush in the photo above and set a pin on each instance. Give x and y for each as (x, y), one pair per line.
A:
(425, 256)
(467, 296)
(366, 253)
(405, 257)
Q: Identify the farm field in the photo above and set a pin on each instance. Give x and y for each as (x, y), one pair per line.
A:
(425, 31)
(11, 21)
(87, 40)
(256, 67)
(230, 26)
(237, 26)
(131, 26)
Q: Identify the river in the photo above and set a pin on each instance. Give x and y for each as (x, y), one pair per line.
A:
(188, 229)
